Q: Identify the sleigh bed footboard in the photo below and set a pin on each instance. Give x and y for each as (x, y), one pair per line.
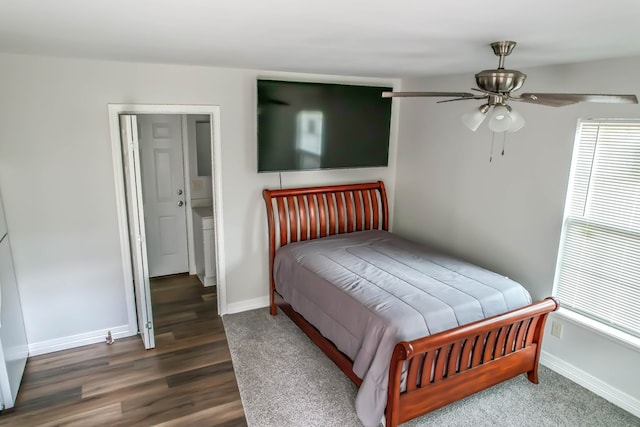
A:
(454, 364)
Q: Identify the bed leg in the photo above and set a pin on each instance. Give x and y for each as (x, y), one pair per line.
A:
(273, 307)
(533, 373)
(390, 424)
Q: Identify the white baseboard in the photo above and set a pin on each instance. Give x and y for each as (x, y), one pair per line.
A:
(79, 340)
(246, 305)
(207, 281)
(588, 381)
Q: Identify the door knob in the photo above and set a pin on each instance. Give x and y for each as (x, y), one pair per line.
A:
(179, 192)
(180, 203)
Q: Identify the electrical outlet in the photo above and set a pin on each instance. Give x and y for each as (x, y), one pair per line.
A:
(556, 329)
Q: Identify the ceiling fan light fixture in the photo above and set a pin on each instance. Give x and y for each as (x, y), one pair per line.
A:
(500, 119)
(517, 121)
(473, 119)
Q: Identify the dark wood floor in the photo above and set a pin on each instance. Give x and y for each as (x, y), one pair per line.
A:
(187, 379)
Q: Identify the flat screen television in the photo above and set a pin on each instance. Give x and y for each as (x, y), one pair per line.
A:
(306, 126)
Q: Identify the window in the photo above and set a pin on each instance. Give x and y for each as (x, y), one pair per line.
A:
(598, 270)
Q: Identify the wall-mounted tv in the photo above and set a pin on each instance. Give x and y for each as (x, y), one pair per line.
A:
(305, 126)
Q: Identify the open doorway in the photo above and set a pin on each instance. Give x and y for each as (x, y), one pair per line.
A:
(163, 186)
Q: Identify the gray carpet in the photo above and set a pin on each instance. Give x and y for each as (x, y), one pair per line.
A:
(285, 380)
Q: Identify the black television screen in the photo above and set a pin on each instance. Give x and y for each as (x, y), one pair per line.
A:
(303, 126)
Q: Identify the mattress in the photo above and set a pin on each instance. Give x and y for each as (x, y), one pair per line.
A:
(366, 291)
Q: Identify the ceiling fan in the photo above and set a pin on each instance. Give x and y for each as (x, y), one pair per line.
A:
(496, 86)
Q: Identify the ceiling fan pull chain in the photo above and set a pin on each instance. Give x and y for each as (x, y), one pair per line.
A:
(493, 137)
(504, 141)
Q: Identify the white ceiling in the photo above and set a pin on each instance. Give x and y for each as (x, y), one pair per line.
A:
(390, 38)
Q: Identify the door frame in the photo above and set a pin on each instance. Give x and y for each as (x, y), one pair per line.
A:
(118, 172)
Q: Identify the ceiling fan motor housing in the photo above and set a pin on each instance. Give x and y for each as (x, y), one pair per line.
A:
(500, 81)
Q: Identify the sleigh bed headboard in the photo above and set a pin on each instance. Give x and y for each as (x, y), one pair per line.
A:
(295, 214)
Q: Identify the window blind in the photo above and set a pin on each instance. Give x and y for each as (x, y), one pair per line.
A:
(598, 271)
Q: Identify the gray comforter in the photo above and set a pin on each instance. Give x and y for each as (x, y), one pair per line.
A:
(368, 290)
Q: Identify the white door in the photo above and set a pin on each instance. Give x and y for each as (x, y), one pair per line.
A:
(160, 139)
(135, 215)
(13, 338)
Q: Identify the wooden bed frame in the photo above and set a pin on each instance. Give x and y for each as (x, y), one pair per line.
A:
(442, 368)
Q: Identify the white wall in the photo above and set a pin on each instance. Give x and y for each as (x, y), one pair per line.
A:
(507, 215)
(57, 181)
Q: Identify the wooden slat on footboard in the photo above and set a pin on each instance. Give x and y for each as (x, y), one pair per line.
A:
(453, 364)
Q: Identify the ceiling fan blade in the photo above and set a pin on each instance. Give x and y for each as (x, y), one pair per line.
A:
(427, 94)
(462, 99)
(562, 99)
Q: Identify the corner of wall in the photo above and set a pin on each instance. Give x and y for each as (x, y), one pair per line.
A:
(246, 305)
